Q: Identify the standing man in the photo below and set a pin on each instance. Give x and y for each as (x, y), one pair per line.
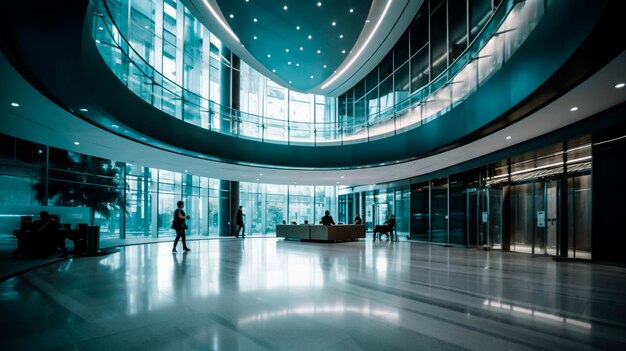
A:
(240, 223)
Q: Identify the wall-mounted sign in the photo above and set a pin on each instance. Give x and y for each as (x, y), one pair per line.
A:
(541, 219)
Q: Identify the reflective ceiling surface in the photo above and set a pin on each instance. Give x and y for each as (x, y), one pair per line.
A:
(302, 42)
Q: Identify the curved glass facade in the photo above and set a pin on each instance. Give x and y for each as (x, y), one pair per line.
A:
(167, 57)
(133, 201)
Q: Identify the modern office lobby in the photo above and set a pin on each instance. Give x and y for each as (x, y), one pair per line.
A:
(470, 154)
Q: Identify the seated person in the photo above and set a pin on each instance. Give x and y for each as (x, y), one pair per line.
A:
(45, 235)
(327, 219)
(357, 219)
(386, 228)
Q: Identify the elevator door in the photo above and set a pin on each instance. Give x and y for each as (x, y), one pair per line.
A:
(534, 217)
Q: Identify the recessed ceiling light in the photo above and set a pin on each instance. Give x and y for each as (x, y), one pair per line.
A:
(268, 55)
(343, 51)
(319, 3)
(311, 77)
(367, 21)
(297, 65)
(310, 36)
(574, 109)
(319, 51)
(285, 8)
(337, 182)
(351, 10)
(508, 137)
(274, 70)
(340, 36)
(145, 27)
(255, 20)
(100, 28)
(76, 143)
(341, 177)
(114, 126)
(254, 37)
(334, 23)
(15, 104)
(260, 174)
(301, 48)
(286, 50)
(288, 62)
(83, 110)
(186, 171)
(620, 85)
(231, 16)
(289, 82)
(324, 66)
(297, 27)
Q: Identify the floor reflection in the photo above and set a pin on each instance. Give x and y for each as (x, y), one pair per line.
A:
(271, 294)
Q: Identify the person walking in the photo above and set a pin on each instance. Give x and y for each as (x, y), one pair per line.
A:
(180, 225)
(240, 223)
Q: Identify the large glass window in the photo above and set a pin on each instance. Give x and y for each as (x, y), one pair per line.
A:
(139, 200)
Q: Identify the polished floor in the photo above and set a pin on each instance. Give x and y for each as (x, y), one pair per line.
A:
(272, 294)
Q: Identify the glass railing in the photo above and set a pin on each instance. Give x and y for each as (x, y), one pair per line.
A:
(498, 40)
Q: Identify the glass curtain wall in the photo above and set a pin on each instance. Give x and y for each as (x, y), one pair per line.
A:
(266, 205)
(435, 39)
(167, 36)
(292, 116)
(132, 201)
(377, 206)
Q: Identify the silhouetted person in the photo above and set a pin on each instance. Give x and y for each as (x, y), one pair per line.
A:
(327, 219)
(45, 232)
(357, 219)
(240, 223)
(180, 225)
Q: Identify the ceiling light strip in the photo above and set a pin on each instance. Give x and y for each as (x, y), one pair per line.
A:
(219, 20)
(343, 70)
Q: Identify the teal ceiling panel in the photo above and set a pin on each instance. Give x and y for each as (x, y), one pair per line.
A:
(302, 42)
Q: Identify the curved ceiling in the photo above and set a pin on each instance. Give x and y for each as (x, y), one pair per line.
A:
(40, 120)
(310, 46)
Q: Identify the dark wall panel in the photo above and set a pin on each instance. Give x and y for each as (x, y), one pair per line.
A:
(609, 195)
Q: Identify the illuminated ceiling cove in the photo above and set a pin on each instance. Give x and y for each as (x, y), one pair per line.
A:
(301, 42)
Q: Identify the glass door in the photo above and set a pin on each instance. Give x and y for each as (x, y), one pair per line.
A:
(494, 209)
(484, 217)
(551, 189)
(381, 212)
(579, 215)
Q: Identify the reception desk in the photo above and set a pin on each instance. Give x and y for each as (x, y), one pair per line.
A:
(318, 232)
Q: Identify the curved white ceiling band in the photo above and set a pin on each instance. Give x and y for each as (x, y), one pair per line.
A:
(345, 68)
(220, 21)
